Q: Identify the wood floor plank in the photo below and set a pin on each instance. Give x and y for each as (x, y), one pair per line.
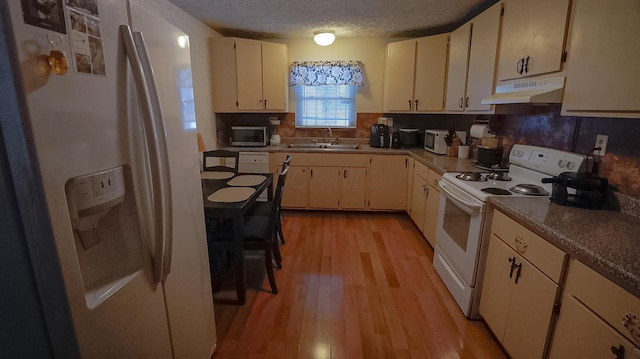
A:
(353, 285)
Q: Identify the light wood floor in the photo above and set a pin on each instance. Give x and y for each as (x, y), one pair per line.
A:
(353, 285)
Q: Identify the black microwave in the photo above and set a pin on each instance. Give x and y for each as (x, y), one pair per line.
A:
(248, 136)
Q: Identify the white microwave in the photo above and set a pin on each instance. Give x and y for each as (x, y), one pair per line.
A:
(248, 136)
(434, 141)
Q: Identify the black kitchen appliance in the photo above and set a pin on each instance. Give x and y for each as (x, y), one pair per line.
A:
(395, 140)
(578, 189)
(489, 156)
(409, 137)
(379, 136)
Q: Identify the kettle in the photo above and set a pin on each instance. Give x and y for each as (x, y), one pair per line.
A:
(578, 189)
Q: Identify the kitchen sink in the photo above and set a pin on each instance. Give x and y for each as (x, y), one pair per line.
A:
(324, 146)
(305, 145)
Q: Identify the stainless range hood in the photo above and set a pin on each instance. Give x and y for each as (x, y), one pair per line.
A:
(547, 90)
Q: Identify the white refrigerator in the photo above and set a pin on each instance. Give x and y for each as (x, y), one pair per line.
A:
(116, 144)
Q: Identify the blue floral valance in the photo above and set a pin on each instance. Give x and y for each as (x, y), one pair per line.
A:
(318, 73)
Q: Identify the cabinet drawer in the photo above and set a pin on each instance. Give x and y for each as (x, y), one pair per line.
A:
(422, 171)
(323, 159)
(609, 301)
(433, 179)
(544, 255)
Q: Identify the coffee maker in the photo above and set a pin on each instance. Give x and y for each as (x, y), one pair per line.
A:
(379, 136)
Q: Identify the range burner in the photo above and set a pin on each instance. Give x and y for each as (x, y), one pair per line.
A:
(529, 189)
(499, 176)
(471, 176)
(496, 191)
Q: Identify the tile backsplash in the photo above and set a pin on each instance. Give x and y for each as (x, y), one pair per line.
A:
(543, 127)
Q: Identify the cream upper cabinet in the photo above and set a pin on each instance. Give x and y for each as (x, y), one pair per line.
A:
(483, 54)
(415, 74)
(520, 287)
(472, 61)
(457, 73)
(532, 37)
(248, 75)
(597, 318)
(388, 182)
(603, 78)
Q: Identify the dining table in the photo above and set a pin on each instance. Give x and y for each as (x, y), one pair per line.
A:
(229, 196)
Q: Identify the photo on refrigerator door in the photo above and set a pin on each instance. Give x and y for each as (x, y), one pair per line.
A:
(47, 14)
(86, 41)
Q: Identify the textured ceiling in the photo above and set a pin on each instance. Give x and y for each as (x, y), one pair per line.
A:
(282, 19)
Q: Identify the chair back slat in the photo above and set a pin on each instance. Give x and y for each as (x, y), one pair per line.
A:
(226, 161)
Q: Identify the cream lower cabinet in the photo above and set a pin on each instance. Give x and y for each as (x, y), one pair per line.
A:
(296, 194)
(425, 201)
(432, 208)
(603, 78)
(595, 318)
(337, 187)
(388, 182)
(324, 181)
(520, 288)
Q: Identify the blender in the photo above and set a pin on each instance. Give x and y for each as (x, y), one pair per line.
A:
(275, 137)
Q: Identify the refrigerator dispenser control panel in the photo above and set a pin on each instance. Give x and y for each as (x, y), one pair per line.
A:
(98, 191)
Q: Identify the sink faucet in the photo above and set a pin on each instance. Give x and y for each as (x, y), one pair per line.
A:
(330, 135)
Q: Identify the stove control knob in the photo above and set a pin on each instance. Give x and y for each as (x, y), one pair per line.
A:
(570, 165)
(562, 163)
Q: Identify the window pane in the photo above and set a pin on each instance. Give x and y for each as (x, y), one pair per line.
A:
(326, 106)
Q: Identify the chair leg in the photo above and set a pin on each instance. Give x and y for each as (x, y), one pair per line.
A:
(275, 248)
(269, 266)
(279, 227)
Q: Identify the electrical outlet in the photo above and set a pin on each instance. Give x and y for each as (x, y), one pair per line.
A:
(601, 141)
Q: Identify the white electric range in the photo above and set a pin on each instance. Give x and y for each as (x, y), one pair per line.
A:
(461, 218)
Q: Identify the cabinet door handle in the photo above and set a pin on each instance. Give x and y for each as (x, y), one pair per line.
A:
(460, 103)
(525, 67)
(265, 103)
(345, 174)
(416, 105)
(512, 260)
(520, 66)
(466, 102)
(409, 105)
(518, 272)
(311, 173)
(618, 351)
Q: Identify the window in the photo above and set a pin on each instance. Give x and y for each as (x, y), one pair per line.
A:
(326, 106)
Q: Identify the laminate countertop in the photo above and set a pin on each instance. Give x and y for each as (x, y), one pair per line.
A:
(607, 240)
(438, 163)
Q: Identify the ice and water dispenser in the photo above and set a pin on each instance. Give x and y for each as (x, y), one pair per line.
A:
(106, 231)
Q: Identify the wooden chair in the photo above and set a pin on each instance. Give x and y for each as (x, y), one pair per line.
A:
(263, 209)
(223, 159)
(260, 231)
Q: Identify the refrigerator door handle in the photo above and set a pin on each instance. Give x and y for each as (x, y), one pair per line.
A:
(162, 149)
(151, 137)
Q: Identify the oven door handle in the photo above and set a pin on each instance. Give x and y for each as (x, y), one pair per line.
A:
(464, 201)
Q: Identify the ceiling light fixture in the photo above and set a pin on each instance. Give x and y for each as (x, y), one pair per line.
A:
(324, 37)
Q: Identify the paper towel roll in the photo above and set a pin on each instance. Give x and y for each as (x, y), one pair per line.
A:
(479, 130)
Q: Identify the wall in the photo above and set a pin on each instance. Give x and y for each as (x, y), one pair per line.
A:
(199, 35)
